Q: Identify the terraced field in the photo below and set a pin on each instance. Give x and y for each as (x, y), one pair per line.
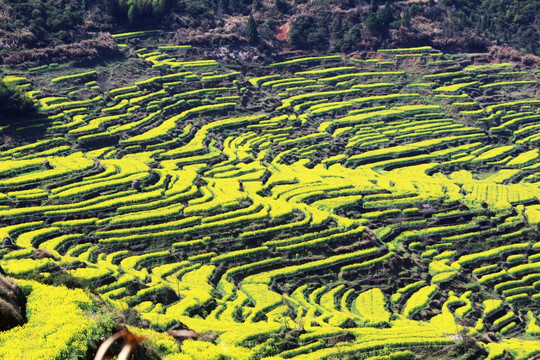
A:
(381, 207)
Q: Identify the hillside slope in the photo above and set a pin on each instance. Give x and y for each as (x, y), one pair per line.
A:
(501, 26)
(382, 206)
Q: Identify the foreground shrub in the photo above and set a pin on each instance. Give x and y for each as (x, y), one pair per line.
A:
(14, 103)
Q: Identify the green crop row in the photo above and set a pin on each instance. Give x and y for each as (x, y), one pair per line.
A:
(476, 68)
(403, 149)
(176, 224)
(419, 300)
(17, 167)
(497, 107)
(305, 237)
(19, 267)
(321, 240)
(284, 81)
(61, 166)
(128, 95)
(504, 319)
(173, 47)
(492, 277)
(288, 102)
(368, 347)
(196, 144)
(73, 77)
(220, 76)
(32, 239)
(113, 182)
(325, 71)
(135, 34)
(140, 99)
(368, 263)
(95, 124)
(171, 123)
(406, 50)
(523, 269)
(59, 244)
(235, 255)
(443, 75)
(297, 85)
(359, 118)
(123, 90)
(145, 215)
(515, 121)
(132, 261)
(71, 104)
(192, 64)
(157, 235)
(508, 83)
(455, 87)
(280, 213)
(434, 231)
(307, 59)
(266, 278)
(134, 124)
(120, 106)
(39, 68)
(361, 75)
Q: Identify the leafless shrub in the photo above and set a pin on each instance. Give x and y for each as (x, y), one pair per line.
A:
(87, 50)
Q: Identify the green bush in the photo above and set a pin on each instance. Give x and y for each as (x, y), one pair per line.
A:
(14, 104)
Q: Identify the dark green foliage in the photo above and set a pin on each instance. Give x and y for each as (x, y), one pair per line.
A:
(159, 8)
(373, 7)
(198, 9)
(406, 19)
(381, 20)
(251, 30)
(132, 14)
(223, 5)
(235, 6)
(137, 11)
(14, 104)
(512, 21)
(52, 22)
(327, 30)
(309, 33)
(351, 38)
(256, 4)
(281, 5)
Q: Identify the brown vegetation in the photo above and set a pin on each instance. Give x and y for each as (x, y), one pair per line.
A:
(104, 46)
(507, 53)
(12, 304)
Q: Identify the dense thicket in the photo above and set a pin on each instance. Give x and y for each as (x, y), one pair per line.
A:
(50, 22)
(137, 10)
(512, 21)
